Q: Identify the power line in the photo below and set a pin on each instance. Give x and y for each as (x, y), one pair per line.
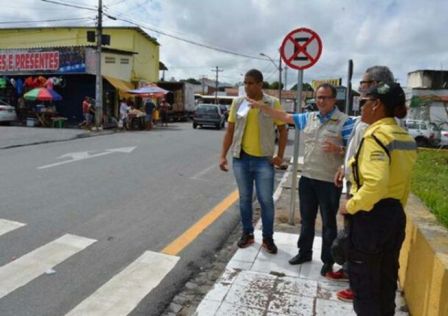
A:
(217, 70)
(222, 50)
(69, 5)
(36, 21)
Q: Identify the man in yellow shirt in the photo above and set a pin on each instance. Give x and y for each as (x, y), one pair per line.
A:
(251, 134)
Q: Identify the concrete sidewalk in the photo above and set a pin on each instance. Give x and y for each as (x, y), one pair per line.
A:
(258, 283)
(255, 282)
(17, 136)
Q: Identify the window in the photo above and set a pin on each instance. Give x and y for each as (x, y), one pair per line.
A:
(110, 60)
(124, 61)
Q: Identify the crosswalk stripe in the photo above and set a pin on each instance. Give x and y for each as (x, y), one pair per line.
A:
(120, 295)
(28, 267)
(6, 226)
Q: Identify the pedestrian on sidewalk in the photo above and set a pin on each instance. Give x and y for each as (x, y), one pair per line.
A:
(326, 133)
(380, 173)
(87, 113)
(124, 109)
(149, 109)
(164, 108)
(372, 77)
(252, 135)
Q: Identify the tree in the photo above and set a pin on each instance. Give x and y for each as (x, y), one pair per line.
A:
(192, 80)
(266, 85)
(274, 85)
(305, 87)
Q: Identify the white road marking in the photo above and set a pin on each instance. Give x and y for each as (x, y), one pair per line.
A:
(6, 226)
(78, 156)
(279, 189)
(198, 175)
(21, 271)
(123, 292)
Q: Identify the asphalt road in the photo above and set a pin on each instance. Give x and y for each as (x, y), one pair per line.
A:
(122, 194)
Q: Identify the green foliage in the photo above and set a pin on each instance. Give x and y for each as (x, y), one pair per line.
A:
(430, 182)
(305, 87)
(192, 80)
(266, 85)
(274, 85)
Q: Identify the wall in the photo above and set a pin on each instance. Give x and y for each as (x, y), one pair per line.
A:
(424, 262)
(117, 69)
(144, 64)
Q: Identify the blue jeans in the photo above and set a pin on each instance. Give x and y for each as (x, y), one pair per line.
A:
(314, 194)
(259, 170)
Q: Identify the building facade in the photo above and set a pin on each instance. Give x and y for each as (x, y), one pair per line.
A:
(65, 54)
(427, 95)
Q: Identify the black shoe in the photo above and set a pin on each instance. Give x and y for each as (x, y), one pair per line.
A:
(299, 259)
(268, 244)
(246, 240)
(327, 267)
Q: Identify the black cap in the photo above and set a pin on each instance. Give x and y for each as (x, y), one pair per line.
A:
(390, 94)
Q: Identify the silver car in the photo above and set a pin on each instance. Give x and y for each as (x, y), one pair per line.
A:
(444, 134)
(208, 114)
(7, 113)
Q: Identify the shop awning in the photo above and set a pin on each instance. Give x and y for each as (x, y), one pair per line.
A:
(121, 85)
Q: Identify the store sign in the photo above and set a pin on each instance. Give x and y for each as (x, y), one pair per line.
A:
(44, 60)
(29, 61)
(334, 82)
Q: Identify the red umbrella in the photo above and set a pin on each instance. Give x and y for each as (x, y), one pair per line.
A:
(42, 94)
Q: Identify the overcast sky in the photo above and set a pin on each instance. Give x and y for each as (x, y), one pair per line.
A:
(405, 35)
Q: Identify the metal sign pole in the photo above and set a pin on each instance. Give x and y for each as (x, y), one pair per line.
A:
(297, 109)
(348, 96)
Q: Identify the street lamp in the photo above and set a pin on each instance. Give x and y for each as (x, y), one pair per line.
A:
(279, 68)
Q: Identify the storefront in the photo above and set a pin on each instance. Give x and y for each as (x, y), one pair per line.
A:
(69, 71)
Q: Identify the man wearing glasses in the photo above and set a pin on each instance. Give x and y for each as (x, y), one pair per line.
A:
(326, 133)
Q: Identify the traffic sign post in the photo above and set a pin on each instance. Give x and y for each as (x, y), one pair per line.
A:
(300, 50)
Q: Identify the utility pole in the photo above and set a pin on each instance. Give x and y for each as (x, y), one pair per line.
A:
(99, 78)
(286, 77)
(217, 70)
(203, 84)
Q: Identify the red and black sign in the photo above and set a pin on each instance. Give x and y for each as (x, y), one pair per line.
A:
(43, 60)
(301, 48)
(29, 61)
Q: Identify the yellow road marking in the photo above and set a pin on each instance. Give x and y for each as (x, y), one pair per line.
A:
(190, 234)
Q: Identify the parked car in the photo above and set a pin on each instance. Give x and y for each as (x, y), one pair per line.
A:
(425, 133)
(444, 134)
(7, 113)
(210, 115)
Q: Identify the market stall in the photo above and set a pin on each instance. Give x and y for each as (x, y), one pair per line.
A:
(45, 112)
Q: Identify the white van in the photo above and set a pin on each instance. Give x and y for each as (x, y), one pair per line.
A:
(425, 133)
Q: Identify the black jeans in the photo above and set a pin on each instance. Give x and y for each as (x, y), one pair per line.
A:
(314, 194)
(375, 242)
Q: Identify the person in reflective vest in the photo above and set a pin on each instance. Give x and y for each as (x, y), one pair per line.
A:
(381, 173)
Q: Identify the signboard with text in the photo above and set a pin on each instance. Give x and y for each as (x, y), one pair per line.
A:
(334, 82)
(43, 60)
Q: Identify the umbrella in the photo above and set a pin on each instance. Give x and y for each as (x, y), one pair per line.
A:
(149, 91)
(42, 94)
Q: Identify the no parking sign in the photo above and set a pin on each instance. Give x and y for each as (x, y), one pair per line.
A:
(301, 48)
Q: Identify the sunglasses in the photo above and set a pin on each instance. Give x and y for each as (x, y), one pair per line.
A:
(364, 101)
(362, 82)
